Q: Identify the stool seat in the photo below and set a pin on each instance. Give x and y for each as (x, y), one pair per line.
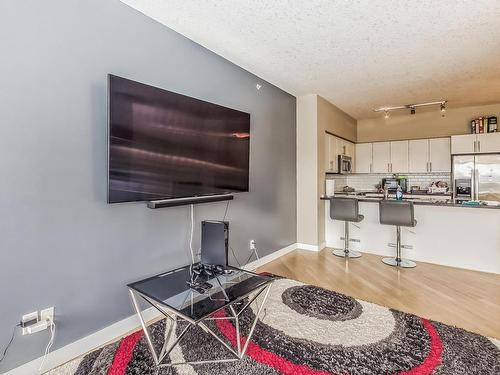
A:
(346, 210)
(400, 214)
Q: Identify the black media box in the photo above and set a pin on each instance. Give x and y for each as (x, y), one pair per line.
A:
(214, 242)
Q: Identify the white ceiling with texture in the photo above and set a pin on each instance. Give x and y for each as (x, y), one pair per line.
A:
(357, 54)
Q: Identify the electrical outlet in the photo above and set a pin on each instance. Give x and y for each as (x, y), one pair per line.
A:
(47, 314)
(31, 323)
(252, 245)
(29, 318)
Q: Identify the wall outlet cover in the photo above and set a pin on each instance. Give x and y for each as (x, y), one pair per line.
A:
(47, 314)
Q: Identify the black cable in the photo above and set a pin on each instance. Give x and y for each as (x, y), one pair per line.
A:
(10, 342)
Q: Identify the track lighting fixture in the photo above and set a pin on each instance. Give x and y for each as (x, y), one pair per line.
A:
(412, 107)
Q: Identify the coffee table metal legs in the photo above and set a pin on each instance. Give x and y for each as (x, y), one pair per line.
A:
(237, 354)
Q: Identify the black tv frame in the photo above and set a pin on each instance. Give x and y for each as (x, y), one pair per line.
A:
(167, 202)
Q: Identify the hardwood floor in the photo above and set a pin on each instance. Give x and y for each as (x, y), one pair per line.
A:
(467, 299)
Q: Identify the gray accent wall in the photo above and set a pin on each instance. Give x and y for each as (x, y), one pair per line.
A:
(60, 243)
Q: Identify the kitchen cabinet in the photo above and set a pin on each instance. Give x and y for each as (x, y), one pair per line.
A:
(429, 155)
(335, 146)
(418, 152)
(488, 142)
(439, 155)
(331, 153)
(475, 143)
(364, 154)
(463, 144)
(399, 157)
(381, 157)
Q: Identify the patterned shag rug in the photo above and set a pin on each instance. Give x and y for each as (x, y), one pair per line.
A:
(306, 330)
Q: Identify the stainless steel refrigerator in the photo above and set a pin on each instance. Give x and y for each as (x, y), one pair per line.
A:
(476, 177)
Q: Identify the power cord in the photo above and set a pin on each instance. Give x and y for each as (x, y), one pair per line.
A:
(191, 234)
(49, 345)
(225, 212)
(10, 342)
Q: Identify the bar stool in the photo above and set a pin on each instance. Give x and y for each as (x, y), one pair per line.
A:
(400, 214)
(347, 210)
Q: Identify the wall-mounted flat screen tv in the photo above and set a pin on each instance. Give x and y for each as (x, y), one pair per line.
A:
(163, 145)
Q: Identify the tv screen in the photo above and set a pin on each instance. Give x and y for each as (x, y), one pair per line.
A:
(164, 145)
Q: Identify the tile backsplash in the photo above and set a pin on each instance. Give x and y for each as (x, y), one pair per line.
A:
(370, 181)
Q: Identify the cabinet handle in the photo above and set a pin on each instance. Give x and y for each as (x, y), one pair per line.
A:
(475, 146)
(430, 166)
(331, 165)
(478, 146)
(371, 167)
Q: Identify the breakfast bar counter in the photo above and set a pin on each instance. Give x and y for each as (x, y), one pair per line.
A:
(446, 233)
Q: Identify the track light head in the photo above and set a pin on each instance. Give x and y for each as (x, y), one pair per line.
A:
(412, 110)
(443, 107)
(386, 115)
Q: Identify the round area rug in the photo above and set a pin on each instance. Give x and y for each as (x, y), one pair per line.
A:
(306, 330)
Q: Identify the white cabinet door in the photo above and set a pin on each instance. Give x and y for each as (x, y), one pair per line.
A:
(341, 146)
(364, 157)
(463, 144)
(328, 166)
(381, 157)
(418, 156)
(488, 142)
(399, 157)
(439, 155)
(332, 153)
(350, 149)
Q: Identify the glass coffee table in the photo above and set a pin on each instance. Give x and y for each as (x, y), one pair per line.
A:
(171, 295)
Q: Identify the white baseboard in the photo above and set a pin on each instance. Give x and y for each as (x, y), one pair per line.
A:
(305, 246)
(268, 258)
(114, 331)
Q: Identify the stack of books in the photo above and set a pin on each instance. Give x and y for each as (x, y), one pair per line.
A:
(484, 124)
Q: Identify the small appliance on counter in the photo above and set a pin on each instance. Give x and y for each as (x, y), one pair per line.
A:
(345, 164)
(391, 184)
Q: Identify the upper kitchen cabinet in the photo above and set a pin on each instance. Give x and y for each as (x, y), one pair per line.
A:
(364, 154)
(488, 142)
(418, 151)
(335, 146)
(399, 157)
(331, 152)
(429, 155)
(381, 157)
(475, 143)
(463, 144)
(439, 155)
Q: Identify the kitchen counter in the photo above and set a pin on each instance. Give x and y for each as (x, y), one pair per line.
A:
(465, 238)
(426, 200)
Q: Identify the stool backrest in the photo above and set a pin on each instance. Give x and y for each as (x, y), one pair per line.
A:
(345, 209)
(400, 213)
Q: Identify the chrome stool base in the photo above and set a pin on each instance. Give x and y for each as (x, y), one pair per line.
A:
(346, 254)
(403, 263)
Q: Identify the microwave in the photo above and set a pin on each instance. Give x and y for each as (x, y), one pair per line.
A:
(344, 164)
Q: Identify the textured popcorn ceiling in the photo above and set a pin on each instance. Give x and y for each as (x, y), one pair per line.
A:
(358, 54)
